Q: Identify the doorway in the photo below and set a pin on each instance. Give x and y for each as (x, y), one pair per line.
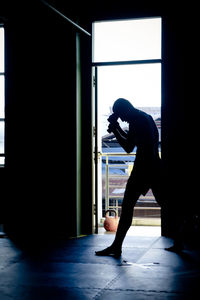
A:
(127, 64)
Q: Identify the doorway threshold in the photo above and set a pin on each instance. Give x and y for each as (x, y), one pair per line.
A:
(137, 231)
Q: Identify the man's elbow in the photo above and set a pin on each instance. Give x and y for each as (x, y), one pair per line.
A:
(129, 150)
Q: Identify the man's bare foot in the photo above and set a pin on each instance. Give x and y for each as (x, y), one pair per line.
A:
(110, 251)
(176, 249)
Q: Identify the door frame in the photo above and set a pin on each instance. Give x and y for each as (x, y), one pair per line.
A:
(95, 148)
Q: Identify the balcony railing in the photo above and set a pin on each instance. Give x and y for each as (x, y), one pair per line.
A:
(118, 167)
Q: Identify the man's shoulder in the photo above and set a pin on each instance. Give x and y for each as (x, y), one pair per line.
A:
(142, 116)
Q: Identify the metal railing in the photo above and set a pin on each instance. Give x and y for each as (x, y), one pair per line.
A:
(127, 165)
(114, 165)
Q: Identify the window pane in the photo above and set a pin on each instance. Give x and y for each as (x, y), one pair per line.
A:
(2, 89)
(1, 49)
(2, 161)
(138, 39)
(2, 137)
(140, 84)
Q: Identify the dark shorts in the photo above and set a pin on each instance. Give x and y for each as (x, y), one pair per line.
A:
(141, 180)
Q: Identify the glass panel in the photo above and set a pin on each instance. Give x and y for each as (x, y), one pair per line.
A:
(140, 84)
(2, 161)
(2, 95)
(137, 39)
(2, 137)
(1, 49)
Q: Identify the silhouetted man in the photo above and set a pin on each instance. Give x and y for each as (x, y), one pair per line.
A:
(143, 134)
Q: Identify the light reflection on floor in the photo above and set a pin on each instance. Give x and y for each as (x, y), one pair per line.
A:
(138, 231)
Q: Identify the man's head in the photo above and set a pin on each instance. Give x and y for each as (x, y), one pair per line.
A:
(123, 109)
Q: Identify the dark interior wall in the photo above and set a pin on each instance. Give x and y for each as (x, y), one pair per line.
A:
(40, 123)
(173, 129)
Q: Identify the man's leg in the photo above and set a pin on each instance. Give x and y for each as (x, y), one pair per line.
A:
(130, 198)
(157, 192)
(125, 221)
(178, 220)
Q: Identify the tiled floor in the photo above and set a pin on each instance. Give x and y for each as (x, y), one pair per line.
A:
(70, 270)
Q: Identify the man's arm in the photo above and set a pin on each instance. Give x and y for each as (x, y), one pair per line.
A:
(122, 132)
(123, 138)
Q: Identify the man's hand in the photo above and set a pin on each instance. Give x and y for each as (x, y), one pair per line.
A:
(113, 122)
(112, 127)
(113, 118)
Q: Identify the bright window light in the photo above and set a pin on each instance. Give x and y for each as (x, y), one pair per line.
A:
(140, 84)
(1, 138)
(130, 41)
(138, 39)
(1, 49)
(127, 61)
(2, 96)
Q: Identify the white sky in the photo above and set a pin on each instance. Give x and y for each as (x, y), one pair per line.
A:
(140, 84)
(2, 96)
(1, 49)
(137, 39)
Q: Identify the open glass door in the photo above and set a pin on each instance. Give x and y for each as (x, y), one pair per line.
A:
(126, 64)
